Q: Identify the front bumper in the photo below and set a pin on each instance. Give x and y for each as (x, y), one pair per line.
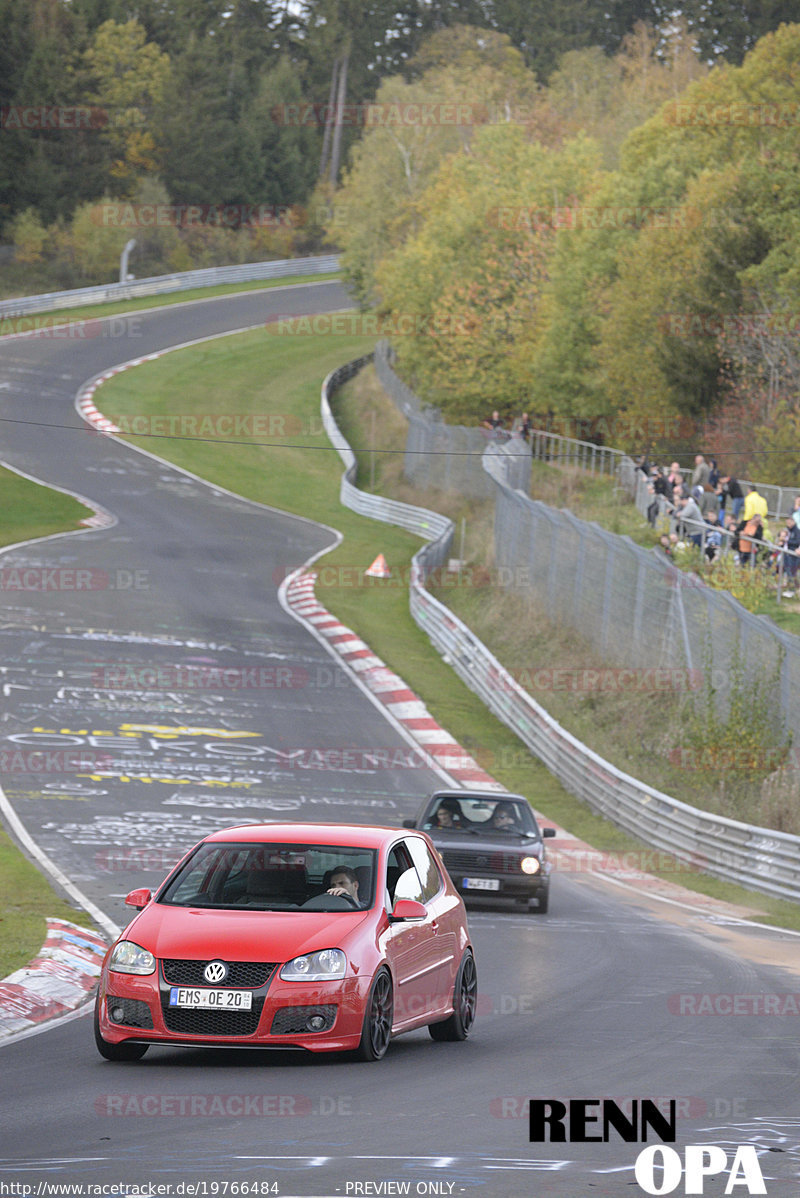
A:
(278, 1017)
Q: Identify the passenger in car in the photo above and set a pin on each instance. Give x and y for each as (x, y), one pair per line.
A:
(449, 815)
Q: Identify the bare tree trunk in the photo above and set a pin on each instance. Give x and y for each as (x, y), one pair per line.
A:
(337, 128)
(326, 139)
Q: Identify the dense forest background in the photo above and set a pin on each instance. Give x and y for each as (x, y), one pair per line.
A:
(607, 234)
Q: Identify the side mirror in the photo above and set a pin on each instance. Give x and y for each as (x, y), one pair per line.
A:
(138, 898)
(548, 832)
(409, 823)
(405, 909)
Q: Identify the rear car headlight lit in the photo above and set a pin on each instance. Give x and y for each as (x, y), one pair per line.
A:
(127, 957)
(530, 865)
(324, 966)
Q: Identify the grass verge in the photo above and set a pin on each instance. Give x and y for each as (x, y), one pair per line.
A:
(26, 898)
(280, 376)
(32, 510)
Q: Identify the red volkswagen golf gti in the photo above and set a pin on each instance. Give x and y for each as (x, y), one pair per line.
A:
(317, 936)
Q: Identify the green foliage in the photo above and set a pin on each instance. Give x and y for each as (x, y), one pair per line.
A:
(751, 586)
(478, 267)
(736, 737)
(130, 77)
(28, 236)
(381, 202)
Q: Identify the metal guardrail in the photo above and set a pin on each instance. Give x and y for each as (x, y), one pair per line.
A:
(760, 858)
(432, 526)
(212, 276)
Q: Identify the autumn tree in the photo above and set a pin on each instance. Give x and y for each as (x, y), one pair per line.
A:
(130, 76)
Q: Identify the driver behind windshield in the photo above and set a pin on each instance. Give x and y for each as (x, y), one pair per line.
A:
(344, 884)
(503, 818)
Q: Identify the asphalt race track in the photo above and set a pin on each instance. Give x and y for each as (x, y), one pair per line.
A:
(592, 1001)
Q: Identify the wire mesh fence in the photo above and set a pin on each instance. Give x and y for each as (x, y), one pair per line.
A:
(631, 605)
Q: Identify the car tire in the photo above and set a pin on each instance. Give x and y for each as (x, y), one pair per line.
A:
(115, 1052)
(377, 1030)
(465, 997)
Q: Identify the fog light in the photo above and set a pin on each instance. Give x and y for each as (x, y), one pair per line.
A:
(117, 1014)
(315, 1023)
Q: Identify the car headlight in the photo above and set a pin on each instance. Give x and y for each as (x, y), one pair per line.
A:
(324, 966)
(530, 865)
(128, 957)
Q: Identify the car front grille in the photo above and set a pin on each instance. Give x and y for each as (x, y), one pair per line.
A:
(291, 1021)
(242, 975)
(490, 862)
(194, 1021)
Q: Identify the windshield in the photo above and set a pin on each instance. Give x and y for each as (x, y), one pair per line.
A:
(480, 815)
(274, 877)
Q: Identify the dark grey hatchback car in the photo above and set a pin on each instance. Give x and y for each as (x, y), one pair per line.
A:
(490, 843)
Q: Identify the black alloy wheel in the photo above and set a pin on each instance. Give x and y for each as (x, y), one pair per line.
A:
(465, 1001)
(377, 1030)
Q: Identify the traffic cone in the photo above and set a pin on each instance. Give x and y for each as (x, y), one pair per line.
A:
(379, 569)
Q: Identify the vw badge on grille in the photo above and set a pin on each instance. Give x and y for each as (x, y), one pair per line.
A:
(215, 972)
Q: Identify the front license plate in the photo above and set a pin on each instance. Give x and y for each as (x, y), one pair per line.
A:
(239, 1000)
(481, 884)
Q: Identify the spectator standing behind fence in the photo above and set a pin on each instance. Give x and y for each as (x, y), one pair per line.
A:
(732, 534)
(701, 472)
(754, 505)
(707, 500)
(525, 427)
(689, 515)
(749, 531)
(674, 479)
(790, 561)
(796, 512)
(713, 473)
(713, 536)
(494, 423)
(729, 488)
